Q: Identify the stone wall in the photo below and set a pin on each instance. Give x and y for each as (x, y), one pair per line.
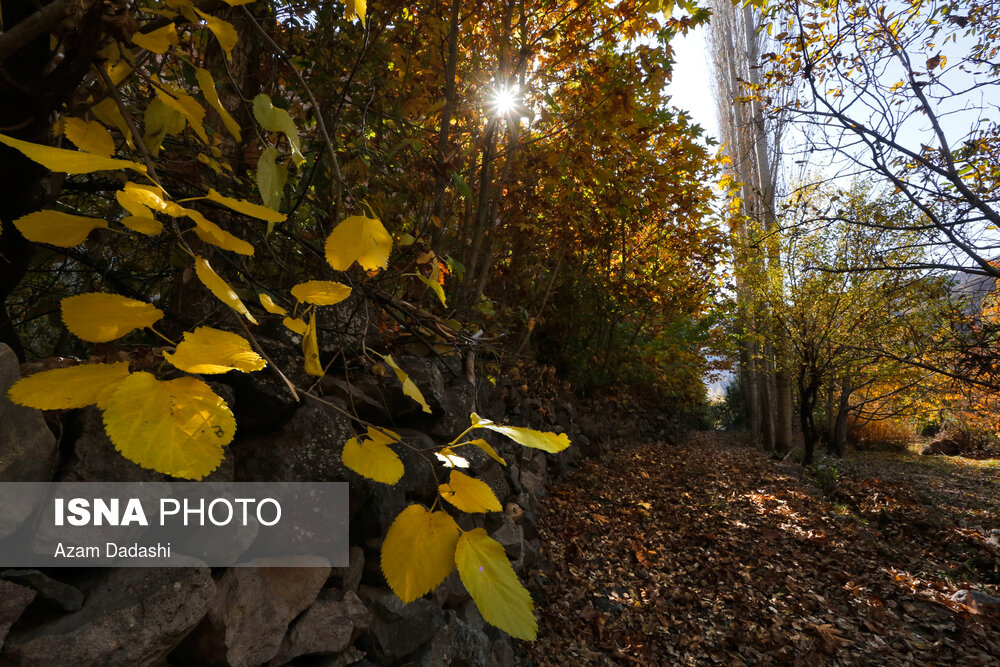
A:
(272, 615)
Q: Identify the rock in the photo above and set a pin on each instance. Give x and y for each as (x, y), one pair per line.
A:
(511, 537)
(945, 446)
(451, 592)
(28, 450)
(457, 642)
(250, 613)
(306, 449)
(399, 629)
(64, 596)
(978, 602)
(532, 483)
(329, 626)
(14, 600)
(132, 616)
(348, 578)
(94, 458)
(351, 656)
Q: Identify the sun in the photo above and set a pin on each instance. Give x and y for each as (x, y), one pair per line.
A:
(506, 100)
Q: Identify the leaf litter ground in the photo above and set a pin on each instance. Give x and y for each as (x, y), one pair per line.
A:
(708, 552)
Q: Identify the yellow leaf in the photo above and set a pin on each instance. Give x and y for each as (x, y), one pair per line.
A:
(486, 447)
(270, 306)
(107, 112)
(271, 178)
(185, 105)
(157, 41)
(98, 317)
(57, 228)
(418, 551)
(160, 120)
(143, 224)
(207, 84)
(90, 136)
(549, 442)
(321, 292)
(310, 348)
(223, 31)
(409, 388)
(493, 584)
(273, 119)
(469, 494)
(372, 458)
(436, 287)
(207, 350)
(237, 3)
(217, 286)
(72, 387)
(358, 239)
(66, 161)
(209, 232)
(356, 9)
(295, 324)
(450, 459)
(246, 208)
(178, 427)
(134, 195)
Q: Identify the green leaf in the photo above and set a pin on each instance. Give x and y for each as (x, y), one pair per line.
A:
(418, 551)
(493, 584)
(273, 119)
(271, 178)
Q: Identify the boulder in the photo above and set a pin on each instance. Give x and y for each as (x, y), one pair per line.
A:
(348, 578)
(399, 629)
(14, 600)
(978, 602)
(250, 613)
(459, 643)
(28, 450)
(63, 596)
(944, 446)
(132, 616)
(306, 449)
(328, 627)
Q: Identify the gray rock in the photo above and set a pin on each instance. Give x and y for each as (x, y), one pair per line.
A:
(64, 596)
(532, 483)
(451, 592)
(14, 600)
(511, 537)
(944, 446)
(351, 656)
(28, 450)
(250, 613)
(978, 602)
(400, 629)
(307, 448)
(348, 578)
(329, 626)
(132, 616)
(457, 642)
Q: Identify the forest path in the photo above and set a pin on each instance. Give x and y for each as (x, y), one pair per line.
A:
(707, 552)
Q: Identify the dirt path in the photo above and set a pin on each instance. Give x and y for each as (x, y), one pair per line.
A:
(708, 553)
